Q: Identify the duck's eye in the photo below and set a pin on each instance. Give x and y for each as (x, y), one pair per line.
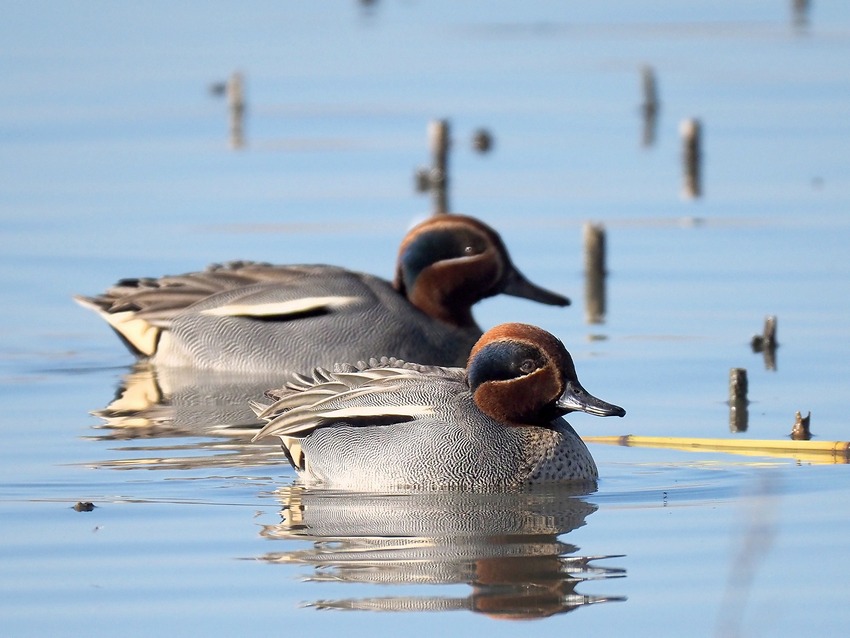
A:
(528, 366)
(438, 245)
(503, 361)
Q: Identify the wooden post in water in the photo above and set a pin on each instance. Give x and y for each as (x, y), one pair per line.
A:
(770, 343)
(801, 431)
(236, 106)
(801, 13)
(438, 138)
(649, 107)
(594, 273)
(770, 331)
(482, 141)
(738, 417)
(435, 178)
(691, 133)
(766, 342)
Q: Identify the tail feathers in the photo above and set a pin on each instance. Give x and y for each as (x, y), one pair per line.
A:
(139, 335)
(292, 448)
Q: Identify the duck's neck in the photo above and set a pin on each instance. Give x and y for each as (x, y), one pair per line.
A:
(436, 305)
(447, 292)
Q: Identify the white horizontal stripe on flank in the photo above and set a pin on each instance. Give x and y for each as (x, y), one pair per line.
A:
(292, 307)
(367, 411)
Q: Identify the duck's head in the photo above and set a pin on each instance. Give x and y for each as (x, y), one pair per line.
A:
(521, 374)
(448, 263)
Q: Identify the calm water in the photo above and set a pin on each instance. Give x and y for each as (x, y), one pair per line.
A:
(116, 162)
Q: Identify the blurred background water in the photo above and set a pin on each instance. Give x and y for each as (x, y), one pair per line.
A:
(116, 162)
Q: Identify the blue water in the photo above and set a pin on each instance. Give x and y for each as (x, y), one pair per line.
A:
(116, 162)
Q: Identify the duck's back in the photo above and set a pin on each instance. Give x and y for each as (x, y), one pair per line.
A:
(319, 316)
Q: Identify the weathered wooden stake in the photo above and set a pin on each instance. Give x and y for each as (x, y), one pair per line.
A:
(801, 13)
(770, 332)
(236, 105)
(738, 385)
(766, 342)
(594, 273)
(435, 178)
(738, 417)
(691, 133)
(438, 136)
(800, 430)
(482, 141)
(650, 105)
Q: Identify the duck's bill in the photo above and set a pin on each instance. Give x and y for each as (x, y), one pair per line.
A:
(519, 286)
(577, 399)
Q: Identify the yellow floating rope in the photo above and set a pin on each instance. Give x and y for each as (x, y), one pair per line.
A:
(815, 451)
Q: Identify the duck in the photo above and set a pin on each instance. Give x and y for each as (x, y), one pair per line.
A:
(390, 424)
(256, 317)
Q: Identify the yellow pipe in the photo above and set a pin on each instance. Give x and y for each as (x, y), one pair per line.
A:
(817, 451)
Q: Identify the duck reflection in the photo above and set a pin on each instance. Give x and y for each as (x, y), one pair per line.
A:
(207, 411)
(180, 401)
(506, 546)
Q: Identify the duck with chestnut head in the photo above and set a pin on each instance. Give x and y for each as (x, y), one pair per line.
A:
(390, 424)
(252, 317)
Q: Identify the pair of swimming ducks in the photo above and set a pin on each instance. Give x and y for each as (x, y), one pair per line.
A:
(411, 419)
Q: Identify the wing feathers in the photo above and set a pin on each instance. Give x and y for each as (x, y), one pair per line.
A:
(308, 403)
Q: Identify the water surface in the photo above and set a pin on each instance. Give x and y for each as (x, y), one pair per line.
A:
(116, 163)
